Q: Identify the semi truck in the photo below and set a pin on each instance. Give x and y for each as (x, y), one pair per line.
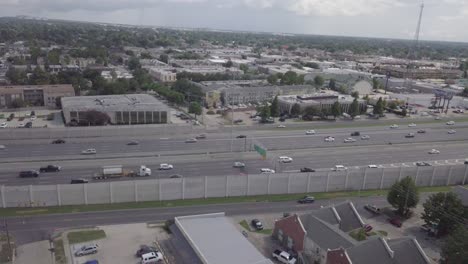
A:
(117, 171)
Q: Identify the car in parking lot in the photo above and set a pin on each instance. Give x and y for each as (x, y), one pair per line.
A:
(93, 261)
(422, 164)
(410, 135)
(21, 125)
(50, 168)
(257, 224)
(151, 257)
(395, 221)
(144, 249)
(89, 151)
(433, 151)
(421, 131)
(29, 174)
(58, 141)
(450, 123)
(310, 132)
(306, 199)
(306, 169)
(349, 140)
(452, 131)
(165, 166)
(3, 125)
(372, 208)
(87, 250)
(394, 126)
(28, 125)
(191, 140)
(283, 257)
(267, 170)
(285, 159)
(239, 164)
(329, 139)
(365, 137)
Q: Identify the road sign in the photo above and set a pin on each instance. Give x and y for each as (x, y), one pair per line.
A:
(260, 151)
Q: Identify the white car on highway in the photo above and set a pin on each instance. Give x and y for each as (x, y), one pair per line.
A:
(394, 126)
(452, 131)
(281, 126)
(266, 170)
(89, 151)
(365, 137)
(238, 164)
(412, 125)
(372, 166)
(3, 125)
(165, 166)
(339, 168)
(310, 132)
(329, 139)
(2, 147)
(191, 140)
(434, 151)
(285, 159)
(450, 123)
(349, 140)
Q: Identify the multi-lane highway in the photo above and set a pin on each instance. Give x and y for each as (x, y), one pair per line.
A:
(216, 154)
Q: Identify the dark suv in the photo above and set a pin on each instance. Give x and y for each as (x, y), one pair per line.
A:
(306, 199)
(50, 168)
(78, 181)
(355, 134)
(29, 174)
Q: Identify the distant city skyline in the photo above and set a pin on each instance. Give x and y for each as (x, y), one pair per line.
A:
(443, 20)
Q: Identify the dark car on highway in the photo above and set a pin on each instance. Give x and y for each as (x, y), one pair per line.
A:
(355, 134)
(421, 131)
(78, 181)
(58, 141)
(241, 136)
(306, 199)
(29, 174)
(422, 164)
(410, 135)
(133, 143)
(50, 168)
(305, 169)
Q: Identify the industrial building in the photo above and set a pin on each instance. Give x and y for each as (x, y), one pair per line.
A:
(126, 109)
(34, 95)
(319, 101)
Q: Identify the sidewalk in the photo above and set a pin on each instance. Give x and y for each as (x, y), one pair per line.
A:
(37, 253)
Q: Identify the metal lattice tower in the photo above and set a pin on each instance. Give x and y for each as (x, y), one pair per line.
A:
(418, 29)
(413, 50)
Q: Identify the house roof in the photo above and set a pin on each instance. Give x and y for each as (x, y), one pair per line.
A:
(462, 193)
(344, 215)
(325, 235)
(371, 251)
(408, 250)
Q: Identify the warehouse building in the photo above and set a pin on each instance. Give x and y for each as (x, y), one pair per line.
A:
(129, 109)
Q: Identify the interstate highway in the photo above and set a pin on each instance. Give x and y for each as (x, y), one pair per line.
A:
(221, 142)
(221, 164)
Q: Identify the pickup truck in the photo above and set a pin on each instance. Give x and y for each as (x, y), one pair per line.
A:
(283, 257)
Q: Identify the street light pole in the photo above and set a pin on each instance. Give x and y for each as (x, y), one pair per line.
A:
(8, 238)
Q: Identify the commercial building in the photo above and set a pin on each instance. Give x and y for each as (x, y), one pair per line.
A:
(127, 109)
(37, 95)
(422, 73)
(318, 100)
(163, 75)
(215, 240)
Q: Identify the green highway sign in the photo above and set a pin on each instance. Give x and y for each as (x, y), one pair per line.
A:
(260, 151)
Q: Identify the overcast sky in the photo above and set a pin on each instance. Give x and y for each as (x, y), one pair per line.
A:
(442, 19)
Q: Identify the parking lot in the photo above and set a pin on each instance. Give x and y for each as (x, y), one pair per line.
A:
(41, 118)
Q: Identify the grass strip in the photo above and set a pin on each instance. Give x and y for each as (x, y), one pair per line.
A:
(85, 236)
(59, 252)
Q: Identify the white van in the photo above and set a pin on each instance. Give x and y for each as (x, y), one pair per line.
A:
(152, 257)
(339, 168)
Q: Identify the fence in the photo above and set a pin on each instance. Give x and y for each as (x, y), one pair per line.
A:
(226, 186)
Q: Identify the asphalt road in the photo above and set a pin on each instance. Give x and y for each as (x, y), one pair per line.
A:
(222, 164)
(34, 228)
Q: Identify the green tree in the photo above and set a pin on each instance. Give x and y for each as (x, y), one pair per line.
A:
(312, 65)
(354, 108)
(318, 81)
(443, 210)
(133, 63)
(244, 68)
(375, 83)
(404, 112)
(336, 109)
(274, 107)
(296, 109)
(228, 64)
(392, 105)
(379, 107)
(332, 84)
(465, 92)
(309, 113)
(403, 196)
(35, 53)
(289, 78)
(95, 118)
(454, 248)
(195, 108)
(17, 103)
(272, 79)
(164, 58)
(53, 57)
(39, 77)
(355, 94)
(265, 113)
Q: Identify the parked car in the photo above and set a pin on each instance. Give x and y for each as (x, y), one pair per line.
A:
(310, 132)
(28, 125)
(78, 181)
(395, 221)
(257, 224)
(93, 261)
(191, 140)
(372, 208)
(421, 131)
(283, 257)
(238, 164)
(241, 136)
(133, 143)
(29, 174)
(365, 137)
(3, 125)
(355, 134)
(433, 151)
(306, 169)
(152, 257)
(144, 249)
(165, 166)
(58, 141)
(89, 151)
(87, 250)
(50, 168)
(306, 199)
(422, 163)
(266, 170)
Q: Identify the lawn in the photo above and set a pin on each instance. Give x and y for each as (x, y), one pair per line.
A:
(85, 236)
(60, 257)
(245, 225)
(192, 202)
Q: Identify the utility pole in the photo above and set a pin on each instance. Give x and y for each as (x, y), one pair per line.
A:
(10, 252)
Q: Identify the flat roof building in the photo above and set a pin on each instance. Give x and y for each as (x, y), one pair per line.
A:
(34, 95)
(215, 240)
(126, 109)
